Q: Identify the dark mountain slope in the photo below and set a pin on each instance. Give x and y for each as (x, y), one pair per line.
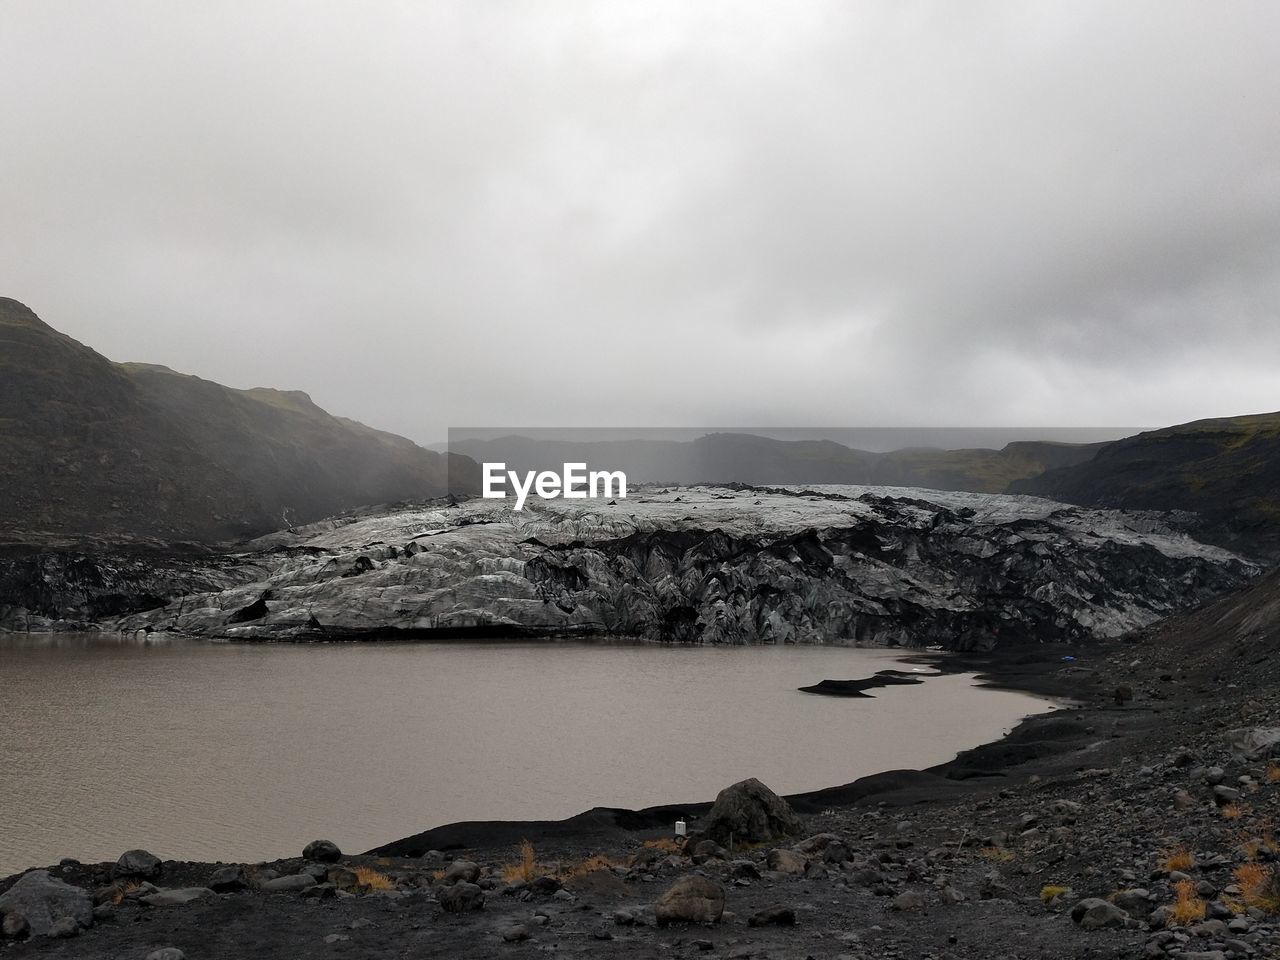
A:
(1227, 471)
(92, 448)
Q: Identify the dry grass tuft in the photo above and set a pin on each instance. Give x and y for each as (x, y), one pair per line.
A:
(665, 844)
(1259, 887)
(1179, 858)
(1273, 772)
(591, 864)
(523, 870)
(1234, 811)
(1187, 908)
(1049, 891)
(372, 880)
(997, 854)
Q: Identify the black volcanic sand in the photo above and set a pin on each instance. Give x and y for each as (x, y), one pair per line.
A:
(948, 862)
(859, 688)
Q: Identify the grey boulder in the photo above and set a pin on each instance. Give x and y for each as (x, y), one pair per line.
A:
(691, 899)
(43, 900)
(749, 812)
(461, 897)
(322, 851)
(1094, 913)
(177, 897)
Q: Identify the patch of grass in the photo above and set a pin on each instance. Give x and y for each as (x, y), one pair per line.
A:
(1050, 891)
(665, 844)
(1234, 811)
(1273, 772)
(523, 870)
(372, 880)
(1179, 858)
(591, 864)
(1259, 887)
(1187, 908)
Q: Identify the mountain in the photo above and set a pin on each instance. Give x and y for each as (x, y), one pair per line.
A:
(96, 449)
(1226, 471)
(747, 458)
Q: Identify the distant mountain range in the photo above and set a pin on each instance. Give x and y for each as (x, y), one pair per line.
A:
(127, 452)
(93, 448)
(764, 461)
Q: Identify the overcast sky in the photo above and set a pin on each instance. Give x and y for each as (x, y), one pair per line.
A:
(429, 214)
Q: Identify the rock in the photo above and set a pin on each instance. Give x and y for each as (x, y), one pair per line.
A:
(691, 899)
(909, 900)
(601, 932)
(14, 926)
(749, 812)
(776, 915)
(64, 928)
(1097, 914)
(1255, 743)
(177, 897)
(293, 883)
(744, 870)
(1224, 796)
(515, 934)
(41, 900)
(322, 851)
(342, 878)
(545, 885)
(461, 871)
(461, 897)
(709, 850)
(229, 879)
(138, 864)
(167, 953)
(337, 938)
(1136, 902)
(786, 861)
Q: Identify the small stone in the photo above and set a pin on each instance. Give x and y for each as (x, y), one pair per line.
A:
(64, 928)
(167, 953)
(909, 900)
(336, 938)
(177, 898)
(776, 916)
(15, 927)
(602, 933)
(228, 879)
(786, 861)
(1094, 913)
(294, 883)
(515, 934)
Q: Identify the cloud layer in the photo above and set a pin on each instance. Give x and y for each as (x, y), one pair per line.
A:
(660, 212)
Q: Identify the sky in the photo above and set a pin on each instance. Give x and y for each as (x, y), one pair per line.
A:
(435, 214)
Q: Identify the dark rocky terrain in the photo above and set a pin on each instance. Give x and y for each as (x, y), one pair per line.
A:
(128, 452)
(1225, 472)
(1139, 823)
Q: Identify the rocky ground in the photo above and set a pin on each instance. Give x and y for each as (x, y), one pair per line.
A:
(1138, 824)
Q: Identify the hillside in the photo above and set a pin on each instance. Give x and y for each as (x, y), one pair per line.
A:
(1227, 471)
(94, 448)
(747, 458)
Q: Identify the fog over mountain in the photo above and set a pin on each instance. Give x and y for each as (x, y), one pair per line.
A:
(659, 212)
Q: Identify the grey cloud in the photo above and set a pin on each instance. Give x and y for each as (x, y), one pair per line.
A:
(636, 213)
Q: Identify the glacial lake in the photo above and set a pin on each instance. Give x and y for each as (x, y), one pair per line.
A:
(212, 751)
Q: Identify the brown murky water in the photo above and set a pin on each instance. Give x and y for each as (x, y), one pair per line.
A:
(236, 752)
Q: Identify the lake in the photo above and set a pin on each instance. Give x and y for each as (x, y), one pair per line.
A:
(211, 751)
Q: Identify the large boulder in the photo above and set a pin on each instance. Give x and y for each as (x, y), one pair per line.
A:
(1255, 743)
(322, 851)
(42, 900)
(691, 899)
(749, 812)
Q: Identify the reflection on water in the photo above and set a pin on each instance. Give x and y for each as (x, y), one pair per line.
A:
(244, 752)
